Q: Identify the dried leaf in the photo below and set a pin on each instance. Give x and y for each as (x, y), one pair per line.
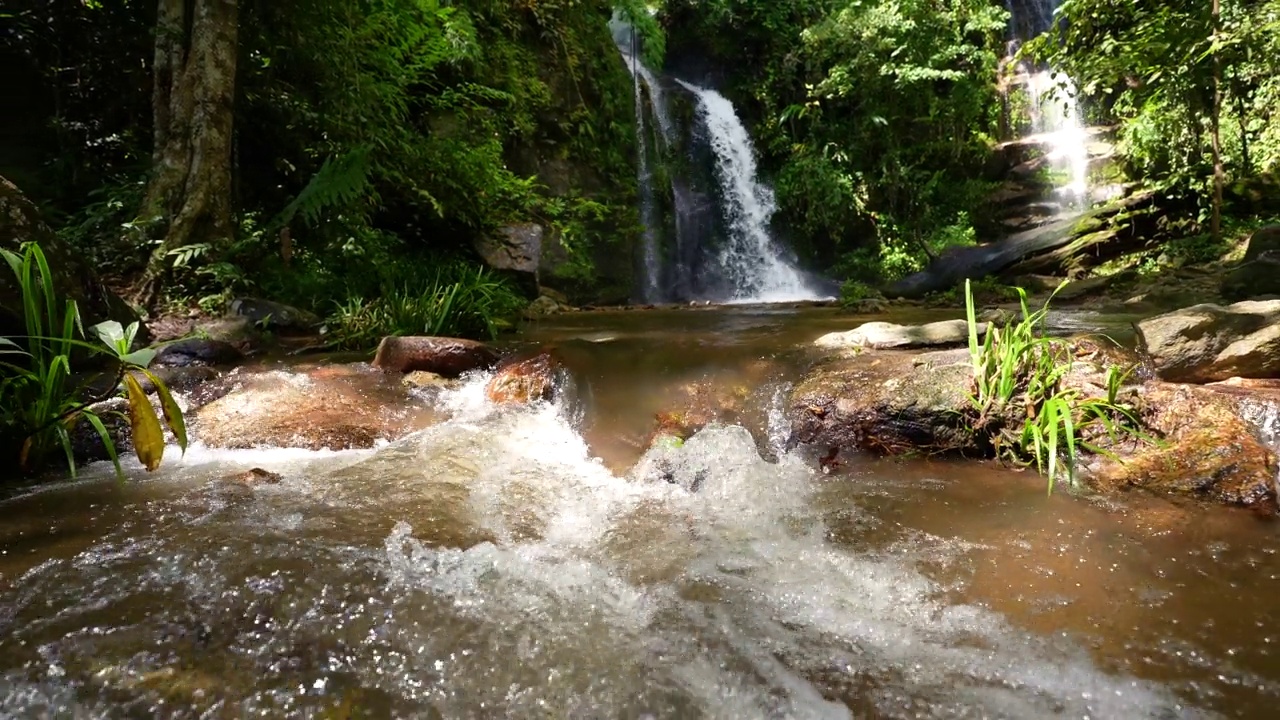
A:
(148, 437)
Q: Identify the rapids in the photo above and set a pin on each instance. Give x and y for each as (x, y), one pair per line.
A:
(513, 562)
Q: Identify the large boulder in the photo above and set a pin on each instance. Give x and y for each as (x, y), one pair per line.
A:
(72, 276)
(1206, 343)
(275, 316)
(885, 402)
(335, 407)
(515, 250)
(1202, 446)
(1259, 272)
(198, 351)
(449, 357)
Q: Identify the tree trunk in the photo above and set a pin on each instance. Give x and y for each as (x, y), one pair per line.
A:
(189, 196)
(1219, 172)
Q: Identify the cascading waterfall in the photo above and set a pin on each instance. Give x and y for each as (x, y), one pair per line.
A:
(1055, 114)
(750, 263)
(698, 263)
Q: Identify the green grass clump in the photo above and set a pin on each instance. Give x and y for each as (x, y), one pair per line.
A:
(1020, 406)
(458, 299)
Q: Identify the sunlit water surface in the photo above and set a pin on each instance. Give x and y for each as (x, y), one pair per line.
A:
(505, 563)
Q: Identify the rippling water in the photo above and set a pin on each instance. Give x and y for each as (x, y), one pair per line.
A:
(494, 566)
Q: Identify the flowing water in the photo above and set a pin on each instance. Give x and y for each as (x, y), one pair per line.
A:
(510, 562)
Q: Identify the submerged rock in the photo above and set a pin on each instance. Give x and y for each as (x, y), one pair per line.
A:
(445, 356)
(256, 477)
(521, 382)
(198, 351)
(1205, 343)
(334, 407)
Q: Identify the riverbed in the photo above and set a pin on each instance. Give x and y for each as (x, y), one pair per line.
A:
(508, 563)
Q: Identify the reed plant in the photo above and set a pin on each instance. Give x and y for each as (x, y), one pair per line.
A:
(42, 399)
(1020, 405)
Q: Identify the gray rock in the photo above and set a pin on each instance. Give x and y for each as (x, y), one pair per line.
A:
(275, 316)
(514, 249)
(884, 335)
(198, 351)
(1206, 343)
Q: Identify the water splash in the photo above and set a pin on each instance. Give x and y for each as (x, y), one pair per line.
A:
(750, 263)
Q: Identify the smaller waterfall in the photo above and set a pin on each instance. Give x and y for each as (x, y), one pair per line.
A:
(751, 265)
(1055, 115)
(650, 213)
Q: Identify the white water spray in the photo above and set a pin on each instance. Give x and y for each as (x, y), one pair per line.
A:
(750, 262)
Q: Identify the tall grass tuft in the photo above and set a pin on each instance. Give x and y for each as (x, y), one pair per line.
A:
(1019, 403)
(457, 299)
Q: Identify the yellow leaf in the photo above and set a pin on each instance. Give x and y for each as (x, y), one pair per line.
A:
(148, 437)
(172, 413)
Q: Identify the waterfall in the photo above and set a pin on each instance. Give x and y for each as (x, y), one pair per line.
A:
(1055, 114)
(701, 242)
(750, 265)
(650, 213)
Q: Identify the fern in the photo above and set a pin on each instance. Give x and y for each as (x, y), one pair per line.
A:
(342, 181)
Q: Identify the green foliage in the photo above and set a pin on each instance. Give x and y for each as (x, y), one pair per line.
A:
(874, 115)
(41, 402)
(458, 299)
(853, 292)
(1019, 404)
(1150, 68)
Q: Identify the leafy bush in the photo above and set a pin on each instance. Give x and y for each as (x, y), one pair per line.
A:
(1019, 404)
(40, 401)
(460, 299)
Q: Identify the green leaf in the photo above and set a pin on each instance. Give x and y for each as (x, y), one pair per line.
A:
(111, 332)
(140, 358)
(107, 442)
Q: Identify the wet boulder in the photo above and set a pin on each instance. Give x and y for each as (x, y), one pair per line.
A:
(1206, 343)
(521, 382)
(1258, 274)
(1201, 445)
(198, 351)
(334, 407)
(448, 357)
(886, 402)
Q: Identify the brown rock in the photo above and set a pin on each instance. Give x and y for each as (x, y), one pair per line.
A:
(256, 477)
(885, 402)
(449, 357)
(521, 382)
(1205, 449)
(330, 406)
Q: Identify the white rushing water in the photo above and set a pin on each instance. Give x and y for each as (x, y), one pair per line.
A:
(491, 567)
(750, 261)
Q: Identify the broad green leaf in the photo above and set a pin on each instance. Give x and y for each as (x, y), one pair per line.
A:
(148, 436)
(112, 333)
(141, 358)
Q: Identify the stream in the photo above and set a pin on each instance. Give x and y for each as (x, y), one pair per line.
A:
(508, 562)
